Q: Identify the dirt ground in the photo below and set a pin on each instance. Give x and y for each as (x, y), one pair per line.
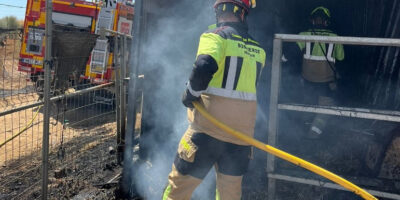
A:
(11, 80)
(30, 141)
(16, 91)
(87, 162)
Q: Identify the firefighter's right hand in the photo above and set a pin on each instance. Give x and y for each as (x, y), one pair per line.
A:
(188, 98)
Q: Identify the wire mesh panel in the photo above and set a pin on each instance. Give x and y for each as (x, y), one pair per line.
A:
(82, 124)
(20, 131)
(14, 88)
(15, 91)
(83, 131)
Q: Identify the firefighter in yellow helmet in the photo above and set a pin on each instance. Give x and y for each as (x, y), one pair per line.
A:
(318, 68)
(223, 79)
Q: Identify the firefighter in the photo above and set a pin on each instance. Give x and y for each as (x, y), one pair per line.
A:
(318, 68)
(223, 79)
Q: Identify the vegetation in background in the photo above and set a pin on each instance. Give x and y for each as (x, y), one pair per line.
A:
(10, 22)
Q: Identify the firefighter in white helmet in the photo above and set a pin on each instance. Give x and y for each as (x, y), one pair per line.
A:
(223, 79)
(318, 68)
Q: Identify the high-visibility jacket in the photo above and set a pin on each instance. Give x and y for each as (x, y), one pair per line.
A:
(225, 74)
(319, 58)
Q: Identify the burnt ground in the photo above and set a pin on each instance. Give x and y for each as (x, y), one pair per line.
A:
(87, 165)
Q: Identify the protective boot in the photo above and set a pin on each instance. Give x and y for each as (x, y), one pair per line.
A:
(317, 127)
(320, 121)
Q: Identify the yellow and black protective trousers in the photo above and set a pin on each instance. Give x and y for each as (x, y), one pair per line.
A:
(197, 154)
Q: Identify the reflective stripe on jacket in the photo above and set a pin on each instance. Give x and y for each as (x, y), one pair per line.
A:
(239, 59)
(225, 74)
(320, 58)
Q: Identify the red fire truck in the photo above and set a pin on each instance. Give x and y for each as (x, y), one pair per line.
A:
(99, 69)
(76, 26)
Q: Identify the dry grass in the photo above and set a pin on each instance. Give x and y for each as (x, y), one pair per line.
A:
(10, 78)
(87, 162)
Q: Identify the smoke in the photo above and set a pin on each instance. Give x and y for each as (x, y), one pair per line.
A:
(170, 50)
(168, 54)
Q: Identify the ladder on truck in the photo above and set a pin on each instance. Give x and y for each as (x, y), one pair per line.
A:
(276, 106)
(99, 59)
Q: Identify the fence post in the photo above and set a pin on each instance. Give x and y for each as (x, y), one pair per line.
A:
(123, 86)
(46, 120)
(273, 112)
(128, 186)
(117, 68)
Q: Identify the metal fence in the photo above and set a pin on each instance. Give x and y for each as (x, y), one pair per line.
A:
(277, 107)
(15, 91)
(82, 130)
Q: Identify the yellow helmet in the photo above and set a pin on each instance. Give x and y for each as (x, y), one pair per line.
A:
(321, 12)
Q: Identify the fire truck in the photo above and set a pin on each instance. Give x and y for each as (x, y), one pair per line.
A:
(117, 17)
(79, 54)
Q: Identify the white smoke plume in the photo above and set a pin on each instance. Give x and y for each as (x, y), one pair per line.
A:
(167, 57)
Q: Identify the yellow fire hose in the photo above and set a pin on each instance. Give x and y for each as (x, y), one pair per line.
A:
(286, 156)
(23, 130)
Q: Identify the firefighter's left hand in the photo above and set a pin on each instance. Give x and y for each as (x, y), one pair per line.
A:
(188, 98)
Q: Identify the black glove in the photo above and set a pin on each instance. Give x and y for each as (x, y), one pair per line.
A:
(188, 98)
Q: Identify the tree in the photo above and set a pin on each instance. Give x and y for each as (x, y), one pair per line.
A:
(9, 22)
